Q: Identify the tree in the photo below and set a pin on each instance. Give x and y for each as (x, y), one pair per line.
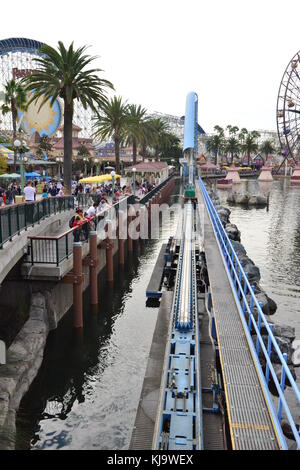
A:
(171, 148)
(232, 146)
(232, 130)
(215, 144)
(83, 152)
(136, 128)
(45, 146)
(3, 164)
(250, 144)
(159, 135)
(267, 147)
(113, 123)
(62, 73)
(14, 99)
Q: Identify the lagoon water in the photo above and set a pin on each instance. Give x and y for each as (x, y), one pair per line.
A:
(86, 393)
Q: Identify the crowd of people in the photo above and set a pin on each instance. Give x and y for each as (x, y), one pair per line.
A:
(55, 188)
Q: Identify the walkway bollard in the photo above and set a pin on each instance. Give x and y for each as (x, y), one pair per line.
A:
(93, 268)
(77, 285)
(109, 254)
(121, 241)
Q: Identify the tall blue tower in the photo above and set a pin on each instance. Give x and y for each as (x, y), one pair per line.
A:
(190, 143)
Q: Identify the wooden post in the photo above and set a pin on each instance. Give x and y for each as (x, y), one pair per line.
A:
(93, 268)
(121, 239)
(109, 255)
(130, 244)
(77, 285)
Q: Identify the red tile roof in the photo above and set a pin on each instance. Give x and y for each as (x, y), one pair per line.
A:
(150, 166)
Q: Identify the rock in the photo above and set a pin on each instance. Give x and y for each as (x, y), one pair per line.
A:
(231, 198)
(287, 430)
(272, 305)
(284, 346)
(242, 199)
(283, 331)
(253, 272)
(261, 201)
(261, 297)
(238, 248)
(278, 369)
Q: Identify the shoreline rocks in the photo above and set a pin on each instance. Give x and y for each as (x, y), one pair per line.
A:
(248, 200)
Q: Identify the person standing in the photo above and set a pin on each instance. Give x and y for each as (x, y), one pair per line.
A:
(29, 192)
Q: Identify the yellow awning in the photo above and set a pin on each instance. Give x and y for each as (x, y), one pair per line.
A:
(98, 179)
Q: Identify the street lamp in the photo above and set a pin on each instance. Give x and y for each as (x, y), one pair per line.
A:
(17, 144)
(85, 169)
(96, 160)
(134, 172)
(113, 183)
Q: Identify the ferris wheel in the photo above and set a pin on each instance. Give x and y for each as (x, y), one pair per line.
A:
(288, 110)
(17, 60)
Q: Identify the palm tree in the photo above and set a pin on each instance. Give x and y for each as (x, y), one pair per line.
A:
(14, 99)
(215, 144)
(160, 135)
(45, 145)
(136, 129)
(62, 73)
(267, 147)
(232, 130)
(250, 144)
(113, 123)
(232, 146)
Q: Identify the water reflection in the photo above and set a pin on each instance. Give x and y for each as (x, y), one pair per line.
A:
(86, 393)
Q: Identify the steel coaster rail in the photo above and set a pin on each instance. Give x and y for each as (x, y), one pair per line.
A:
(242, 287)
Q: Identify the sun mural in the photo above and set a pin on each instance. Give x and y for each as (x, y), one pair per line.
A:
(45, 121)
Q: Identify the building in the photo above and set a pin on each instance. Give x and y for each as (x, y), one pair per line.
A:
(153, 172)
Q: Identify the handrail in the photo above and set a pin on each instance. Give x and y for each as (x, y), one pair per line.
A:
(17, 217)
(70, 230)
(242, 288)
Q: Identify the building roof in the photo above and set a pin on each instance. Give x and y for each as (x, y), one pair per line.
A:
(74, 128)
(149, 166)
(76, 142)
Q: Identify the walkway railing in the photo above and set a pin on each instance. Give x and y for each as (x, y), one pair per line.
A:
(248, 306)
(54, 249)
(155, 190)
(19, 217)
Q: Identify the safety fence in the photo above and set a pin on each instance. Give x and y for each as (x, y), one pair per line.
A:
(255, 322)
(18, 217)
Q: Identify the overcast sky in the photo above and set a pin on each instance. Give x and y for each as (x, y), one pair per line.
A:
(231, 52)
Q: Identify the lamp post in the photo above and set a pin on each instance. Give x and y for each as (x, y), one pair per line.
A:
(134, 172)
(113, 183)
(17, 144)
(96, 160)
(85, 160)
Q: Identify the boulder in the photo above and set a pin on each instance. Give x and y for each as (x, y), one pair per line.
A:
(253, 272)
(272, 305)
(238, 248)
(242, 199)
(283, 331)
(277, 369)
(231, 198)
(284, 346)
(287, 430)
(261, 201)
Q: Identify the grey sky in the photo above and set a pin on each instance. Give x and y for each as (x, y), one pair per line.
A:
(232, 53)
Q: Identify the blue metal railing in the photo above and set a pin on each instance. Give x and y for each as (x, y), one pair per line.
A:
(242, 289)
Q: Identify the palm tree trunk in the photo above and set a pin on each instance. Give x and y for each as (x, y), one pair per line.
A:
(248, 159)
(134, 151)
(68, 120)
(14, 123)
(216, 157)
(117, 154)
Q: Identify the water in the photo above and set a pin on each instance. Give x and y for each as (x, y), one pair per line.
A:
(87, 391)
